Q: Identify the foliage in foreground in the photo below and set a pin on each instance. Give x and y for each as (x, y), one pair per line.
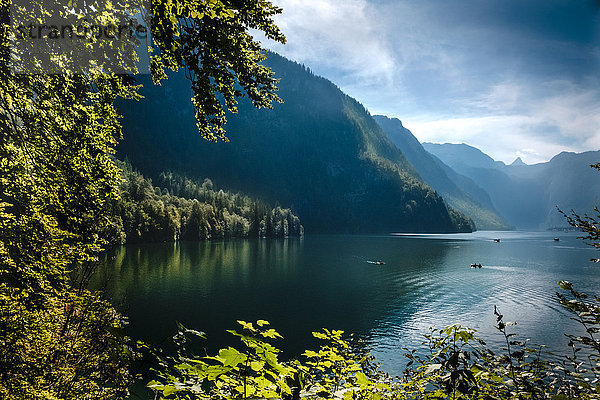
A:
(588, 224)
(58, 130)
(74, 347)
(337, 369)
(455, 365)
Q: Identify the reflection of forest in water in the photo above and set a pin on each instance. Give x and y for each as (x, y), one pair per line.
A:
(201, 264)
(300, 284)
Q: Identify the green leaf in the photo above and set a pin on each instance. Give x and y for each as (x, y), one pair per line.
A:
(155, 385)
(361, 379)
(230, 357)
(271, 333)
(257, 365)
(247, 325)
(310, 354)
(168, 390)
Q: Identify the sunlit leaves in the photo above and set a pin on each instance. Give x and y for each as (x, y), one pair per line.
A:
(254, 372)
(56, 175)
(210, 40)
(73, 348)
(262, 322)
(337, 370)
(231, 357)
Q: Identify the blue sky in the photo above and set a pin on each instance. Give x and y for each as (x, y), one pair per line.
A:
(516, 78)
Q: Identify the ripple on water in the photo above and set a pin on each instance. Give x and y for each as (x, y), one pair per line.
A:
(316, 282)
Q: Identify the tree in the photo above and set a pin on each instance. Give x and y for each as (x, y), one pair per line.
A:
(210, 40)
(59, 128)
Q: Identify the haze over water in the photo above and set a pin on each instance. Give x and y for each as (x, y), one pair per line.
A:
(303, 285)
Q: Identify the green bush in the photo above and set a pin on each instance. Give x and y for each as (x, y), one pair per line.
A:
(455, 365)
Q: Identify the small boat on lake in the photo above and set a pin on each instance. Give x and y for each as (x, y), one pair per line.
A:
(497, 240)
(556, 239)
(475, 265)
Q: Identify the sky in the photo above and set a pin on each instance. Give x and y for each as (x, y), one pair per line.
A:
(515, 78)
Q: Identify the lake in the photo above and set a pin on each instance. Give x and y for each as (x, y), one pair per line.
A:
(304, 284)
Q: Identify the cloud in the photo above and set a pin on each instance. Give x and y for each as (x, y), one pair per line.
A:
(336, 38)
(502, 137)
(575, 113)
(522, 120)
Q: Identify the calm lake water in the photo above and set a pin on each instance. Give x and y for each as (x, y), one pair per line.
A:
(303, 285)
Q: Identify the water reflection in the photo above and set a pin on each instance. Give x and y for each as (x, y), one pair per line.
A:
(302, 285)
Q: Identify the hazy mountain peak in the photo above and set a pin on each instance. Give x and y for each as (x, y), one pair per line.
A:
(518, 162)
(529, 194)
(390, 119)
(564, 155)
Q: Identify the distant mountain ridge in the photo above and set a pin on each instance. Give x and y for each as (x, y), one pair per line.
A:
(528, 195)
(459, 191)
(319, 153)
(462, 155)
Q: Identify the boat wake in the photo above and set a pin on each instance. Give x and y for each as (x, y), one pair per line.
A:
(375, 262)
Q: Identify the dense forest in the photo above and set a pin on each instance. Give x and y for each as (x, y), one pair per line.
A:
(180, 208)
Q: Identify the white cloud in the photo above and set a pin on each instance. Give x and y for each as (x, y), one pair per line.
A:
(531, 120)
(575, 113)
(502, 137)
(341, 36)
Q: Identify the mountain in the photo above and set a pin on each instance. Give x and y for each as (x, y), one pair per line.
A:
(319, 153)
(461, 156)
(459, 191)
(518, 162)
(528, 195)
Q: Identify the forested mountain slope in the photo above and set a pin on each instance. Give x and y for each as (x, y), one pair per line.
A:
(319, 153)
